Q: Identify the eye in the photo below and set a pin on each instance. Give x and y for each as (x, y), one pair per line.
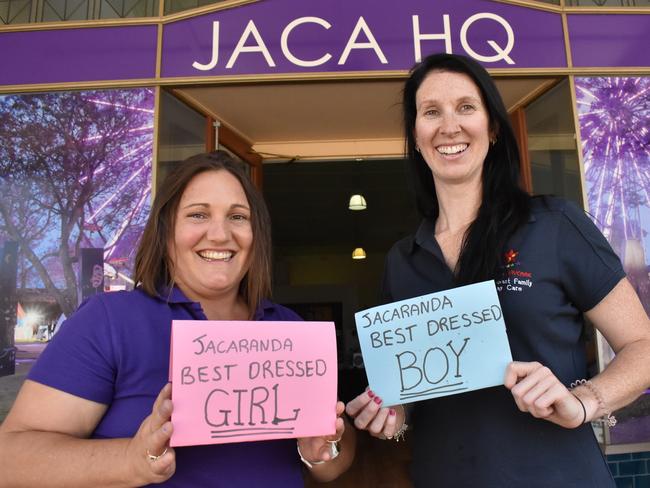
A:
(239, 217)
(431, 112)
(197, 216)
(467, 107)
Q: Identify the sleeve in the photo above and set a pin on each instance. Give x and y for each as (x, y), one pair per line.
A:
(589, 267)
(80, 359)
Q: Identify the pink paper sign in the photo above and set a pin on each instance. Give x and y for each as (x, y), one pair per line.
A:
(250, 381)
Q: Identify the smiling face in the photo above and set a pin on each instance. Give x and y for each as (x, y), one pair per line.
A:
(452, 127)
(211, 247)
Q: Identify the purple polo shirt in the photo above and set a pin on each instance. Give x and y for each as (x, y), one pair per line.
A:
(115, 350)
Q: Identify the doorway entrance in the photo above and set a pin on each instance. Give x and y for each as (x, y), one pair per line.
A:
(320, 143)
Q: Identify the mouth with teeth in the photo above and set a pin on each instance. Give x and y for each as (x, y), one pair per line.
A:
(212, 256)
(452, 150)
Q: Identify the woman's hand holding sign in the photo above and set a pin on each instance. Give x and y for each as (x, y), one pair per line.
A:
(321, 453)
(154, 461)
(369, 414)
(538, 391)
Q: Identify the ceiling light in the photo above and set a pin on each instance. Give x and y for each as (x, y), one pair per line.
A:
(359, 253)
(357, 202)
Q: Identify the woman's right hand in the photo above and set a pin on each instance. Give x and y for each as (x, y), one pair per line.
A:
(369, 414)
(152, 460)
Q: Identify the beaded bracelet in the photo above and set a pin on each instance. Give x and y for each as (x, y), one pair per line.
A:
(400, 434)
(608, 418)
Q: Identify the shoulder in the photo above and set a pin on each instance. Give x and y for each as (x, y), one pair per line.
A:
(548, 208)
(546, 204)
(121, 300)
(274, 311)
(401, 249)
(403, 245)
(107, 307)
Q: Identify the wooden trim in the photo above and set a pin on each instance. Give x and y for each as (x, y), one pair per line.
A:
(549, 7)
(78, 24)
(159, 43)
(567, 41)
(607, 10)
(205, 9)
(210, 139)
(243, 149)
(578, 136)
(307, 77)
(518, 121)
(534, 94)
(228, 137)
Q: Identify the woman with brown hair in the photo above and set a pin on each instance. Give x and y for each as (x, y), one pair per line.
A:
(96, 408)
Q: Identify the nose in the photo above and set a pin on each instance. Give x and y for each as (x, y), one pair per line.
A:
(449, 125)
(218, 230)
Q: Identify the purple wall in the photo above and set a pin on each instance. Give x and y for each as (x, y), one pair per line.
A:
(73, 55)
(301, 36)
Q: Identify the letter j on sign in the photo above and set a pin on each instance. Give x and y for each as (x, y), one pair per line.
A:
(435, 345)
(249, 381)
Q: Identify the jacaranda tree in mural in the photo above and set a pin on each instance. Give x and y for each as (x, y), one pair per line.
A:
(75, 172)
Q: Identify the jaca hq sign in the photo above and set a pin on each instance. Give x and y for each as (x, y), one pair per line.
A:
(361, 38)
(288, 36)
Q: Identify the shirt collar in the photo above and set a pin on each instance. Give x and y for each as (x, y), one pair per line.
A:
(172, 295)
(264, 307)
(425, 237)
(175, 295)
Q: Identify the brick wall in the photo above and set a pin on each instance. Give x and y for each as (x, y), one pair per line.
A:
(630, 470)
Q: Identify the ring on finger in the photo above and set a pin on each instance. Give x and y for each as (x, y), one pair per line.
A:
(153, 458)
(334, 448)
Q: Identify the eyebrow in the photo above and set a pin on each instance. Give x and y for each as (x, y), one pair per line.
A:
(207, 205)
(466, 98)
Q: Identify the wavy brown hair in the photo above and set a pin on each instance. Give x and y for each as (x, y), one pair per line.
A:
(154, 271)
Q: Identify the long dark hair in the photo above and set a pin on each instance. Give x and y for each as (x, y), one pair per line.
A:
(153, 266)
(504, 205)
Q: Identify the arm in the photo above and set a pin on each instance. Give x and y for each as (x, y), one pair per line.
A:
(622, 320)
(43, 442)
(318, 449)
(620, 317)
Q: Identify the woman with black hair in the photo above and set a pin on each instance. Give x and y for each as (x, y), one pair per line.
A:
(552, 269)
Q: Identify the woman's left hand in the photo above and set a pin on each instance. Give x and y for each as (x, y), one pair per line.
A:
(538, 391)
(319, 448)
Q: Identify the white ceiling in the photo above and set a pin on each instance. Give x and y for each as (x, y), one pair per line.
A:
(325, 119)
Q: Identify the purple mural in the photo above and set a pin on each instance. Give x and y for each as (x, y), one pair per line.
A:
(75, 174)
(614, 115)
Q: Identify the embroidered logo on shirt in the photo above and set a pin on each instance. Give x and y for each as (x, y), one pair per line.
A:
(514, 280)
(510, 257)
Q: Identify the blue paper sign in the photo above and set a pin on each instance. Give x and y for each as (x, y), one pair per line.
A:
(435, 345)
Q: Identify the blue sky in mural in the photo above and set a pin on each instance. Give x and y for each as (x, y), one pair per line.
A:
(75, 172)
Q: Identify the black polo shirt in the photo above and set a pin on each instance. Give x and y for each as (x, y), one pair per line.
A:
(555, 267)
